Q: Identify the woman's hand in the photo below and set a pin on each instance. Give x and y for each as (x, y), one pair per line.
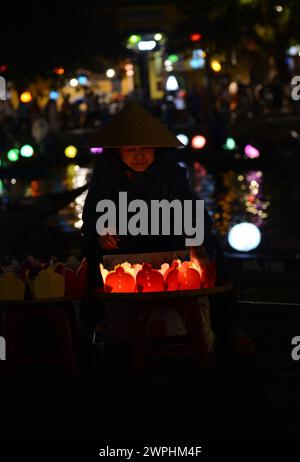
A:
(109, 242)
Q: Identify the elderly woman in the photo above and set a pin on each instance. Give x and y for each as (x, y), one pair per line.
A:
(136, 162)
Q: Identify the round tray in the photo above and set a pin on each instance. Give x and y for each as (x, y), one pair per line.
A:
(164, 295)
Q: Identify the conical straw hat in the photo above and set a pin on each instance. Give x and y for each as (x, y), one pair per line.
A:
(133, 126)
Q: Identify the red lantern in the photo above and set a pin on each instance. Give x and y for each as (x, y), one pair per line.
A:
(208, 275)
(149, 279)
(183, 277)
(119, 281)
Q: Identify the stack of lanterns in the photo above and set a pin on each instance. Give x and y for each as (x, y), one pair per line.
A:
(185, 275)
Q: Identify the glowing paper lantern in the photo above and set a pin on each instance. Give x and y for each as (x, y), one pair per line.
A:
(198, 142)
(134, 39)
(172, 83)
(183, 139)
(26, 97)
(244, 237)
(182, 277)
(26, 150)
(71, 152)
(119, 281)
(149, 279)
(96, 150)
(251, 151)
(13, 155)
(230, 144)
(215, 65)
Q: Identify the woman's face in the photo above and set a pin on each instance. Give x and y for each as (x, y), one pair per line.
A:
(136, 157)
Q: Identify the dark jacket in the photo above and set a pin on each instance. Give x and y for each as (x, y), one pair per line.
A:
(164, 179)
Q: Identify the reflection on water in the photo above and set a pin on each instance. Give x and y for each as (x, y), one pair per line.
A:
(267, 199)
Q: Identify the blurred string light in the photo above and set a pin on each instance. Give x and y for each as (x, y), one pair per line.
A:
(294, 50)
(26, 150)
(110, 73)
(198, 61)
(134, 39)
(172, 83)
(230, 144)
(96, 150)
(195, 37)
(173, 58)
(82, 79)
(71, 152)
(158, 37)
(146, 45)
(26, 97)
(13, 155)
(198, 142)
(215, 65)
(183, 139)
(244, 237)
(279, 8)
(74, 83)
(233, 88)
(251, 151)
(59, 70)
(53, 95)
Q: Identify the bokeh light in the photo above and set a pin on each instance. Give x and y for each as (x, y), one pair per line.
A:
(251, 151)
(71, 152)
(244, 237)
(198, 142)
(26, 150)
(13, 155)
(26, 97)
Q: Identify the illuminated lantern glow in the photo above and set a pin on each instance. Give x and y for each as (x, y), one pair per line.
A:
(26, 150)
(198, 142)
(110, 73)
(149, 279)
(26, 97)
(119, 281)
(251, 151)
(215, 65)
(183, 139)
(13, 155)
(71, 152)
(96, 150)
(134, 39)
(244, 237)
(146, 45)
(230, 144)
(172, 83)
(182, 277)
(195, 37)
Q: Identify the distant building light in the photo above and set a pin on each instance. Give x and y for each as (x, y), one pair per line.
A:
(198, 142)
(173, 58)
(82, 79)
(110, 73)
(53, 95)
(73, 83)
(133, 39)
(215, 65)
(158, 37)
